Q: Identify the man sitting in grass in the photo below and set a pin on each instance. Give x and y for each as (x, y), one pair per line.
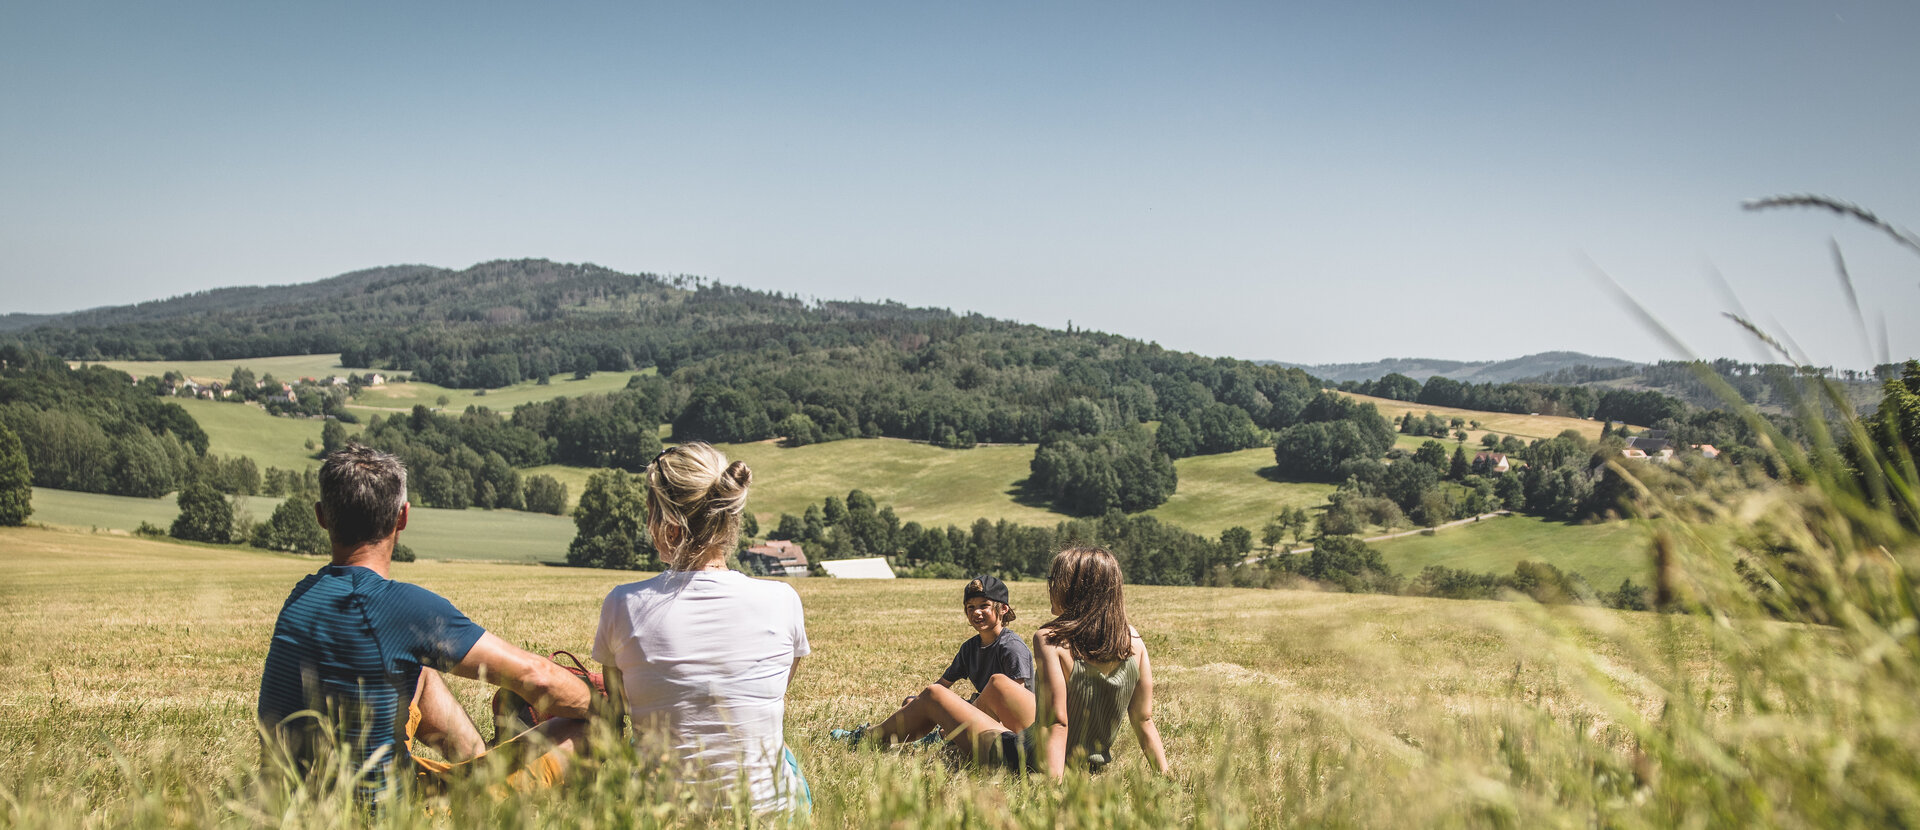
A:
(356, 658)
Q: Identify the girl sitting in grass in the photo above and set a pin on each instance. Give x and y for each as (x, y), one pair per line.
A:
(1091, 672)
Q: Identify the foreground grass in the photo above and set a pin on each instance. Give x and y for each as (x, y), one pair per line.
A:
(1603, 553)
(137, 709)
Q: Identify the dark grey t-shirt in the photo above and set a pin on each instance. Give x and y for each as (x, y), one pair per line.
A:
(1008, 655)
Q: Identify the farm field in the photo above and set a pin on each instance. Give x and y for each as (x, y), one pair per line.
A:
(1604, 553)
(1503, 423)
(286, 368)
(1274, 704)
(488, 535)
(503, 399)
(1220, 491)
(923, 483)
(245, 429)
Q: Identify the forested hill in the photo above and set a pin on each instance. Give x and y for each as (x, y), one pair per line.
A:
(1466, 371)
(405, 317)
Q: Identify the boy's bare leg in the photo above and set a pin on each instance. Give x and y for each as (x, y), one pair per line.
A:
(1007, 702)
(938, 707)
(444, 724)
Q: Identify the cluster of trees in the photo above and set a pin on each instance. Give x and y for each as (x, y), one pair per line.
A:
(92, 429)
(1518, 398)
(1212, 428)
(617, 429)
(1089, 475)
(461, 461)
(16, 480)
(1334, 432)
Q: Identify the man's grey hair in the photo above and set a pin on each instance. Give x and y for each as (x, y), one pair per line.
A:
(361, 492)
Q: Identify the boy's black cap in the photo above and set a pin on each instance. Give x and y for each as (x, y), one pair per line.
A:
(988, 586)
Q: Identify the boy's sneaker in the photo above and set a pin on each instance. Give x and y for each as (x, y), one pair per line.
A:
(853, 736)
(930, 739)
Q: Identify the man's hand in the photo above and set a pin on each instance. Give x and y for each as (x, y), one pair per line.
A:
(552, 690)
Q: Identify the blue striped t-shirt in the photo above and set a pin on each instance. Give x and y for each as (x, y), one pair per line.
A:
(350, 645)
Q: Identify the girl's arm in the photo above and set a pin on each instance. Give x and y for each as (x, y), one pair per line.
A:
(1140, 711)
(1050, 675)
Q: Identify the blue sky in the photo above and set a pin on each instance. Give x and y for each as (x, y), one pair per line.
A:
(1314, 183)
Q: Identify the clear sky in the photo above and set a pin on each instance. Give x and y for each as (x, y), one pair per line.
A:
(1305, 182)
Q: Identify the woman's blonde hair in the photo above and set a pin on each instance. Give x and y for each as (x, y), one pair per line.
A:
(691, 487)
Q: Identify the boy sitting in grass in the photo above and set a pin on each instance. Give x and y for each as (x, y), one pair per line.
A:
(996, 661)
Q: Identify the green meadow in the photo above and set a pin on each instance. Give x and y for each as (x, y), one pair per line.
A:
(487, 535)
(504, 399)
(245, 429)
(1228, 489)
(1604, 553)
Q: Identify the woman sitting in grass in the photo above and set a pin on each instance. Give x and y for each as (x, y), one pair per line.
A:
(1091, 671)
(701, 655)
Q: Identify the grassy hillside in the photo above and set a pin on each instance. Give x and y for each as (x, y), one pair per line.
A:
(245, 429)
(1603, 553)
(1504, 423)
(1272, 703)
(924, 483)
(485, 535)
(1220, 491)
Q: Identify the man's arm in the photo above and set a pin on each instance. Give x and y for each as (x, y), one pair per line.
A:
(553, 691)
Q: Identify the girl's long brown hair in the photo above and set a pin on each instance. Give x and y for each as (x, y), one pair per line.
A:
(1085, 584)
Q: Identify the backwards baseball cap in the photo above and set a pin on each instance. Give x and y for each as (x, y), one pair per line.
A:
(989, 587)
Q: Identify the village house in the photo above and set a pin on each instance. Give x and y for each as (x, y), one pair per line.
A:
(777, 557)
(1492, 462)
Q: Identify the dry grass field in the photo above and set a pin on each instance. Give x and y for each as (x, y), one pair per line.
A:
(1528, 427)
(134, 666)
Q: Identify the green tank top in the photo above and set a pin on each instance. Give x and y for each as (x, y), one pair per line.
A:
(1096, 706)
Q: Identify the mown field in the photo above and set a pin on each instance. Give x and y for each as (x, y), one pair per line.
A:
(1523, 426)
(245, 429)
(1604, 553)
(503, 399)
(1228, 489)
(134, 668)
(286, 368)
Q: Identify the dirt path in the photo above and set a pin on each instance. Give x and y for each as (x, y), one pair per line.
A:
(1385, 536)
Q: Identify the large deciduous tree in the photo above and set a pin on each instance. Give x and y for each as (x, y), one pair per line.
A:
(205, 515)
(611, 525)
(16, 480)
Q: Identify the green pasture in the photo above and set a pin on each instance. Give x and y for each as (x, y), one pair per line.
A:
(404, 396)
(489, 535)
(1604, 553)
(245, 429)
(923, 483)
(1224, 490)
(286, 368)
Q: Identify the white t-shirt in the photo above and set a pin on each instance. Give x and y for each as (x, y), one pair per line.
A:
(706, 655)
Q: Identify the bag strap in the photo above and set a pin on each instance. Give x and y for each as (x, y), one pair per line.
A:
(577, 664)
